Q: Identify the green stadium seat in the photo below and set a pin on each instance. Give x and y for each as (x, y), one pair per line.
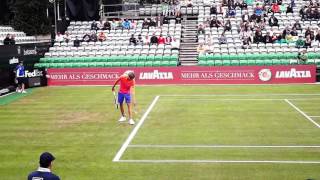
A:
(158, 58)
(142, 58)
(202, 63)
(276, 62)
(140, 64)
(107, 64)
(285, 61)
(218, 62)
(115, 64)
(235, 63)
(251, 62)
(174, 58)
(243, 62)
(124, 64)
(202, 57)
(210, 63)
(165, 63)
(148, 63)
(132, 64)
(310, 61)
(226, 62)
(156, 63)
(173, 63)
(260, 62)
(268, 62)
(150, 58)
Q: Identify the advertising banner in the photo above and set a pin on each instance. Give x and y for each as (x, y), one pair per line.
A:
(186, 75)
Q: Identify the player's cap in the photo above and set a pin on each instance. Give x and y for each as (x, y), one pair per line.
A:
(45, 159)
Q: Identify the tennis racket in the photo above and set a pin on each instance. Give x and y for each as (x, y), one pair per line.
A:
(115, 101)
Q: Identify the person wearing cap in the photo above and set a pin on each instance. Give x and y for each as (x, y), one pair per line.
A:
(20, 76)
(44, 171)
(126, 92)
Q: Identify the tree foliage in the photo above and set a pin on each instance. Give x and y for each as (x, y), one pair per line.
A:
(30, 16)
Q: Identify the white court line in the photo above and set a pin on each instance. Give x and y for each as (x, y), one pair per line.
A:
(134, 131)
(221, 146)
(301, 112)
(221, 161)
(208, 99)
(179, 95)
(7, 94)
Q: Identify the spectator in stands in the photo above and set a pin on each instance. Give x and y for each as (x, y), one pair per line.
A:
(161, 39)
(286, 32)
(66, 37)
(100, 24)
(302, 57)
(289, 9)
(132, 40)
(76, 42)
(309, 32)
(133, 24)
(308, 42)
(86, 38)
(297, 25)
(318, 36)
(59, 38)
(258, 38)
(201, 49)
(114, 24)
(267, 38)
(201, 29)
(300, 42)
(154, 39)
(189, 3)
(294, 32)
(231, 12)
(94, 25)
(126, 24)
(13, 39)
(174, 44)
(152, 23)
(245, 17)
(7, 40)
(106, 25)
(246, 42)
(215, 23)
(222, 39)
(146, 40)
(93, 37)
(227, 26)
(213, 9)
(102, 37)
(140, 40)
(44, 171)
(145, 24)
(168, 39)
(275, 8)
(273, 21)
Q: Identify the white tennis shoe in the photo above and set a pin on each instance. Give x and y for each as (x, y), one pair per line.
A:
(131, 122)
(122, 119)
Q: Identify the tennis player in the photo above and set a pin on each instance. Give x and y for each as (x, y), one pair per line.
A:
(126, 93)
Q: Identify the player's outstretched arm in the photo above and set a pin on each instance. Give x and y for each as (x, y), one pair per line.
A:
(115, 83)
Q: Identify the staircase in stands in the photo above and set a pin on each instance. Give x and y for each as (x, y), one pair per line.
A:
(188, 46)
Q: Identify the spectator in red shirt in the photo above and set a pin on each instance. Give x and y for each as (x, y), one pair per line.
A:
(161, 39)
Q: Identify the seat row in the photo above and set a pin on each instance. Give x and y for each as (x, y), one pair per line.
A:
(258, 62)
(260, 56)
(107, 64)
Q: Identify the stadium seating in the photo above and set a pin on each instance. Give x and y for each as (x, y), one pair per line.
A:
(116, 50)
(20, 37)
(233, 49)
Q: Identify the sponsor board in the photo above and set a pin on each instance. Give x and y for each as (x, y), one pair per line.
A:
(186, 75)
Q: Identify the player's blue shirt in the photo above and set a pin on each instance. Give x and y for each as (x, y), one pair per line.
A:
(43, 174)
(20, 70)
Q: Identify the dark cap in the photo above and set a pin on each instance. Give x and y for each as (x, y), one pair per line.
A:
(45, 159)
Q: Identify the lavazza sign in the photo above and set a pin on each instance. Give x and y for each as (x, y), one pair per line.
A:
(156, 74)
(293, 73)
